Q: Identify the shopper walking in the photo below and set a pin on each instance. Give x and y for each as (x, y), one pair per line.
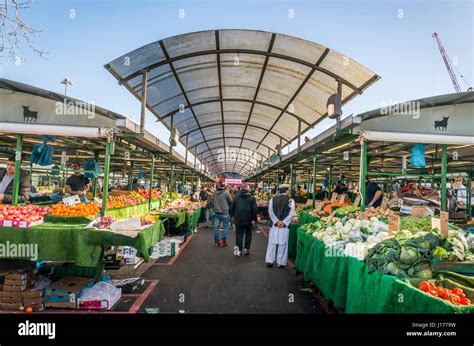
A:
(244, 213)
(281, 210)
(221, 202)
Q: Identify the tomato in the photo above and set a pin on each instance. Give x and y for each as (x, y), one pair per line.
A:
(424, 286)
(465, 301)
(434, 292)
(442, 293)
(457, 290)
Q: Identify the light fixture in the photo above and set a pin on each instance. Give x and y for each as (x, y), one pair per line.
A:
(66, 82)
(334, 106)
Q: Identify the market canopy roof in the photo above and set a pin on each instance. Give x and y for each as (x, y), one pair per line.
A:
(238, 89)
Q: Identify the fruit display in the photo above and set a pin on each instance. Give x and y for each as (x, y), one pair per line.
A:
(44, 190)
(122, 201)
(455, 296)
(146, 193)
(377, 212)
(81, 209)
(29, 213)
(104, 222)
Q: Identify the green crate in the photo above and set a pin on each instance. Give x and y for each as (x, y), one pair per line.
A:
(63, 271)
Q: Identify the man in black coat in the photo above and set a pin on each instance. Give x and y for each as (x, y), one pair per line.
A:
(244, 212)
(6, 183)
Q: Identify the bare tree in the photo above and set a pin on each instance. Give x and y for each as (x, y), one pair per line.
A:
(14, 31)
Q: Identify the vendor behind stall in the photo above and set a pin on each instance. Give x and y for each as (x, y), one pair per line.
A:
(6, 183)
(77, 184)
(373, 194)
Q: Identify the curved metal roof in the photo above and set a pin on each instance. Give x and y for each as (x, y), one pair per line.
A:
(238, 89)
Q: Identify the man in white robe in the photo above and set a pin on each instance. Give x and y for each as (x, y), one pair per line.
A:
(281, 210)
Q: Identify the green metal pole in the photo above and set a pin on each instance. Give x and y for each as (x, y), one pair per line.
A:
(192, 180)
(130, 178)
(330, 178)
(444, 164)
(363, 174)
(105, 189)
(314, 180)
(173, 183)
(16, 177)
(94, 186)
(291, 179)
(469, 195)
(152, 172)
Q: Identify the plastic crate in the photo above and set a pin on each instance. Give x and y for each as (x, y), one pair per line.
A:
(63, 271)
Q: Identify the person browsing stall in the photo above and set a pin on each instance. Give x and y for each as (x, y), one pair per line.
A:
(6, 183)
(281, 210)
(77, 184)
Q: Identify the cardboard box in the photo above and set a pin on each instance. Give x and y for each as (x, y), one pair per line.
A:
(10, 306)
(20, 274)
(9, 288)
(31, 302)
(11, 300)
(32, 293)
(12, 282)
(65, 292)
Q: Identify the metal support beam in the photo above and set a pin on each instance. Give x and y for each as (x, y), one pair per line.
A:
(105, 190)
(144, 99)
(363, 174)
(299, 135)
(173, 182)
(94, 186)
(314, 179)
(152, 172)
(291, 179)
(16, 177)
(444, 164)
(469, 195)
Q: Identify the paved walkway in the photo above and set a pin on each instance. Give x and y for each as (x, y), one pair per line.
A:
(204, 279)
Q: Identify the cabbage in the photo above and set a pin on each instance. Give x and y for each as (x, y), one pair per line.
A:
(403, 234)
(394, 269)
(440, 253)
(382, 235)
(409, 255)
(424, 273)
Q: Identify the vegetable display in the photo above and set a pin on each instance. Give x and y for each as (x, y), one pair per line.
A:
(347, 210)
(455, 296)
(377, 212)
(410, 256)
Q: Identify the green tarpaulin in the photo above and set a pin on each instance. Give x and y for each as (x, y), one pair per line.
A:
(193, 219)
(180, 217)
(347, 283)
(74, 243)
(292, 239)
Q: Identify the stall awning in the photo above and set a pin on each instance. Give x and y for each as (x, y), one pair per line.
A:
(228, 90)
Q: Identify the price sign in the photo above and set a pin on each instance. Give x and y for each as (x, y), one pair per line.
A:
(334, 197)
(71, 200)
(357, 201)
(342, 198)
(318, 206)
(419, 211)
(384, 203)
(435, 223)
(362, 216)
(332, 214)
(444, 216)
(393, 224)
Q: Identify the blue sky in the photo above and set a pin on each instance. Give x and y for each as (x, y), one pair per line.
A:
(400, 50)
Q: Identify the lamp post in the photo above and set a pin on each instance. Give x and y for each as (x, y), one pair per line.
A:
(66, 82)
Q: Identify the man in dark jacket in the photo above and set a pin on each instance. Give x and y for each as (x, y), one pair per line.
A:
(244, 211)
(221, 202)
(6, 183)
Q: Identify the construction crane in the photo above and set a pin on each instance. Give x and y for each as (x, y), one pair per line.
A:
(449, 67)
